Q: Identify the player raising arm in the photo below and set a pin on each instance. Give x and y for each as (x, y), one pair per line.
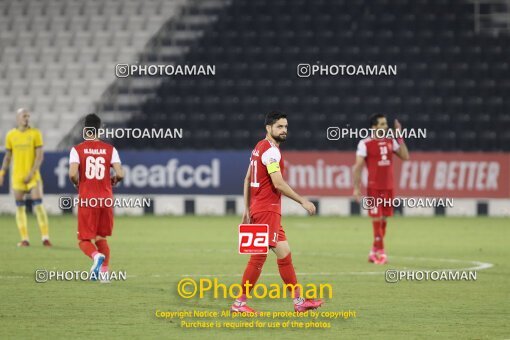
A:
(263, 187)
(23, 145)
(377, 155)
(89, 170)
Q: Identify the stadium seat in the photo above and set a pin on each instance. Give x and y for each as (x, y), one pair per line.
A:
(62, 53)
(450, 80)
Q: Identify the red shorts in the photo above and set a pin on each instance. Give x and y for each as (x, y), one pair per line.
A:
(381, 209)
(273, 220)
(94, 222)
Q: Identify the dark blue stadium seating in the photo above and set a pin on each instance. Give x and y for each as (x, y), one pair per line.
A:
(450, 80)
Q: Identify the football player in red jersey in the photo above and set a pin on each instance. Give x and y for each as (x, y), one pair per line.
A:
(377, 154)
(263, 187)
(89, 170)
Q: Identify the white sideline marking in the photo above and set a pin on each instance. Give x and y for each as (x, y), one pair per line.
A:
(475, 265)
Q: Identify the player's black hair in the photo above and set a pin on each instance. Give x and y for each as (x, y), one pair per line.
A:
(374, 119)
(273, 116)
(92, 120)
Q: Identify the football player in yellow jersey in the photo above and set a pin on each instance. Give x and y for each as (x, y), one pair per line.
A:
(23, 145)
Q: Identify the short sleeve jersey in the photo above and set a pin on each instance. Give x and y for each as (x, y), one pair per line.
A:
(378, 154)
(95, 159)
(265, 159)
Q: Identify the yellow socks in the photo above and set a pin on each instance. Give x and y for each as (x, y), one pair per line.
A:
(42, 219)
(21, 219)
(40, 213)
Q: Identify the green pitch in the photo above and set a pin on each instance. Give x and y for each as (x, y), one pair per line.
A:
(156, 251)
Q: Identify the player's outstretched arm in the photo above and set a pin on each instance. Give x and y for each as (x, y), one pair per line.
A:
(39, 156)
(358, 167)
(5, 165)
(246, 194)
(119, 173)
(402, 152)
(73, 173)
(282, 186)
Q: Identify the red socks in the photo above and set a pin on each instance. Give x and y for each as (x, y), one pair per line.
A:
(288, 273)
(383, 228)
(88, 248)
(104, 249)
(378, 234)
(253, 269)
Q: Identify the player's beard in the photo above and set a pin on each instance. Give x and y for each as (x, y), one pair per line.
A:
(279, 138)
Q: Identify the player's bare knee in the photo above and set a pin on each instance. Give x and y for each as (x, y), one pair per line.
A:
(36, 197)
(281, 250)
(36, 194)
(282, 255)
(19, 195)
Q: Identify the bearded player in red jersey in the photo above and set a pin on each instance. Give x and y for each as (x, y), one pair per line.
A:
(89, 170)
(377, 154)
(263, 187)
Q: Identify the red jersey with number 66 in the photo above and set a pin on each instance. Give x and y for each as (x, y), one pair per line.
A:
(378, 154)
(95, 159)
(265, 159)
